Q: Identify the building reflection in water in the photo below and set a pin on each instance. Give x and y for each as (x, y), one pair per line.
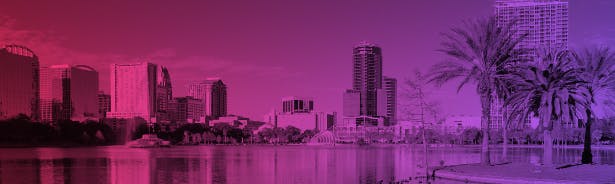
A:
(247, 164)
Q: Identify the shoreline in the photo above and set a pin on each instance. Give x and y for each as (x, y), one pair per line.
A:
(76, 145)
(525, 173)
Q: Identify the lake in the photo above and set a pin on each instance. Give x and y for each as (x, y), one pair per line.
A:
(248, 164)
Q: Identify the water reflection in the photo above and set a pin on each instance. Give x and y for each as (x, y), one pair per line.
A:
(247, 164)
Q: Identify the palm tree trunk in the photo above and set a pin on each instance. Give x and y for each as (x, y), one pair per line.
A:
(505, 145)
(486, 116)
(547, 148)
(586, 157)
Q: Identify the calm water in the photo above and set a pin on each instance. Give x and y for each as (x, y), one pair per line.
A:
(246, 164)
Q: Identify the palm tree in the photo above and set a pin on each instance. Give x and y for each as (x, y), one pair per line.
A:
(598, 66)
(549, 88)
(482, 53)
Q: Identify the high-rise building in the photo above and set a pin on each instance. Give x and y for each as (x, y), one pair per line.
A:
(546, 24)
(19, 82)
(367, 75)
(104, 104)
(544, 21)
(68, 93)
(390, 88)
(140, 90)
(164, 95)
(367, 85)
(212, 92)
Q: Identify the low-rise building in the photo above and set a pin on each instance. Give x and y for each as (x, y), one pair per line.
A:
(299, 112)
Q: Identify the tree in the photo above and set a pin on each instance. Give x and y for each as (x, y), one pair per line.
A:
(550, 89)
(266, 135)
(598, 67)
(482, 52)
(221, 129)
(142, 128)
(308, 134)
(293, 134)
(471, 136)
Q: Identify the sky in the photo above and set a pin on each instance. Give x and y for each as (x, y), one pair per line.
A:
(266, 50)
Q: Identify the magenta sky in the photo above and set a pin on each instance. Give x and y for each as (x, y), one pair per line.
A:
(264, 50)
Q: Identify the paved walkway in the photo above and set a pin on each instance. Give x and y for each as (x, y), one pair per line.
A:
(528, 173)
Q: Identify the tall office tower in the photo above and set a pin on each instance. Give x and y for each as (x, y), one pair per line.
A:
(545, 21)
(390, 88)
(367, 75)
(164, 94)
(135, 91)
(68, 93)
(19, 82)
(104, 104)
(367, 80)
(212, 92)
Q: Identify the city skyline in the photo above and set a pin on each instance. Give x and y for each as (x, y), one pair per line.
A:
(274, 91)
(233, 62)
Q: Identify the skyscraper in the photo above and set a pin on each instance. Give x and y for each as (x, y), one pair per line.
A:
(68, 93)
(367, 86)
(367, 75)
(139, 90)
(390, 88)
(546, 24)
(164, 95)
(545, 21)
(19, 82)
(212, 92)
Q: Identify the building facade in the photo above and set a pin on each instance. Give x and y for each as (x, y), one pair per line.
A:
(293, 105)
(19, 82)
(544, 21)
(352, 103)
(390, 88)
(139, 90)
(68, 93)
(188, 109)
(104, 104)
(164, 95)
(213, 94)
(299, 112)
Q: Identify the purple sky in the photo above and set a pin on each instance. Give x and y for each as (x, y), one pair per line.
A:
(264, 50)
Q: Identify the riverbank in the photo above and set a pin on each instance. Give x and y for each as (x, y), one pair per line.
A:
(578, 146)
(527, 173)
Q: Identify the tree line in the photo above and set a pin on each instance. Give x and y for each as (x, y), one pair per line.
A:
(223, 133)
(21, 131)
